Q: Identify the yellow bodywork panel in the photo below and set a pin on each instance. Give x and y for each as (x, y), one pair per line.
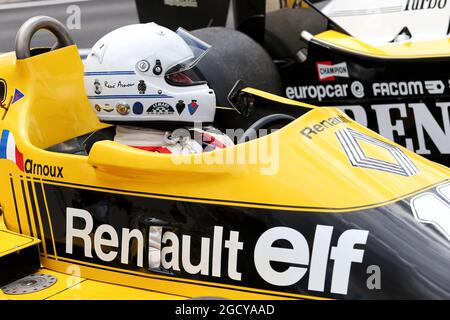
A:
(93, 290)
(177, 287)
(54, 108)
(69, 287)
(11, 242)
(406, 50)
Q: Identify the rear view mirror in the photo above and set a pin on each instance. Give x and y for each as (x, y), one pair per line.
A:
(242, 102)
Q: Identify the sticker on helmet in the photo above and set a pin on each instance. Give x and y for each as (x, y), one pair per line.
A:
(108, 108)
(160, 108)
(142, 87)
(123, 108)
(180, 106)
(138, 108)
(97, 86)
(193, 106)
(118, 84)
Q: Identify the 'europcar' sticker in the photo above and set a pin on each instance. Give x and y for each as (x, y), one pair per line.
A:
(329, 91)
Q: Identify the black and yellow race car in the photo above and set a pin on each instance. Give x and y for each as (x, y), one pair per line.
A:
(322, 208)
(382, 62)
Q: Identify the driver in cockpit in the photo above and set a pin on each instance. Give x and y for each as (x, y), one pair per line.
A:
(136, 78)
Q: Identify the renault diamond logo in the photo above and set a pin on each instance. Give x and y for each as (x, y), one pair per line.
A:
(349, 140)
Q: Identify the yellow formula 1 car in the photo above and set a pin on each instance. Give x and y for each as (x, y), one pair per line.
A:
(321, 208)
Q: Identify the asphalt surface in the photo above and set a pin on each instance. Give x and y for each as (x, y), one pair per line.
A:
(98, 17)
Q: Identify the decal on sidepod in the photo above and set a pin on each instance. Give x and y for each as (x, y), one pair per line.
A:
(322, 253)
(349, 141)
(434, 208)
(18, 95)
(172, 258)
(9, 150)
(328, 71)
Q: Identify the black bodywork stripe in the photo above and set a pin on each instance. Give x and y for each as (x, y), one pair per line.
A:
(26, 208)
(36, 218)
(287, 207)
(46, 226)
(15, 204)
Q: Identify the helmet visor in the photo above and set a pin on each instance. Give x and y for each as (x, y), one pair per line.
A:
(199, 49)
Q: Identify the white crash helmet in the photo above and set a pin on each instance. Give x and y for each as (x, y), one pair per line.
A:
(136, 73)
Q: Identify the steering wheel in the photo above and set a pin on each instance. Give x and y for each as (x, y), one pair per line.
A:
(265, 122)
(33, 25)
